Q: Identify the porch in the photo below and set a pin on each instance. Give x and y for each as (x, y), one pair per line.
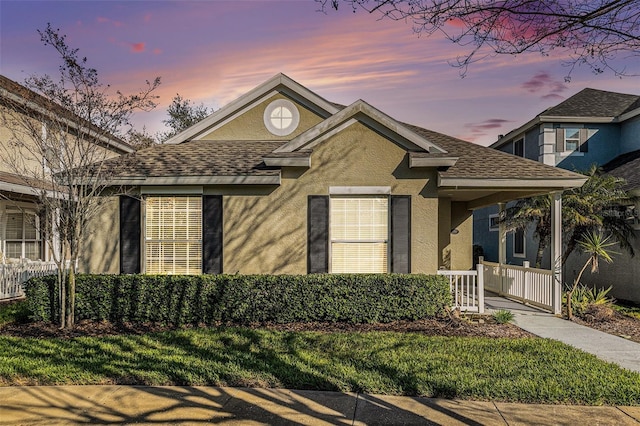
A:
(14, 275)
(537, 288)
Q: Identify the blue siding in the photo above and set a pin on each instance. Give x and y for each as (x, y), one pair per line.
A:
(604, 146)
(630, 135)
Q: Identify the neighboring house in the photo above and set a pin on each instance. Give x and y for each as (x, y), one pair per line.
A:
(281, 181)
(590, 127)
(22, 221)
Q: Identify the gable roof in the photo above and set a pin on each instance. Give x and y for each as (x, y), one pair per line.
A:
(461, 165)
(373, 117)
(593, 103)
(278, 83)
(12, 92)
(586, 106)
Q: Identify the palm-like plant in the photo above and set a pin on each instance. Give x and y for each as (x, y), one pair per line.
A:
(594, 207)
(596, 247)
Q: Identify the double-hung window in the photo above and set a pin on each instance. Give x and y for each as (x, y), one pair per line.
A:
(22, 235)
(519, 243)
(572, 139)
(359, 228)
(173, 235)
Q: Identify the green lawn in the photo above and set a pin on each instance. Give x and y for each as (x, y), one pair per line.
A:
(527, 370)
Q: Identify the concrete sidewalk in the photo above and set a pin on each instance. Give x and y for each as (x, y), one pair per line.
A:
(605, 346)
(58, 405)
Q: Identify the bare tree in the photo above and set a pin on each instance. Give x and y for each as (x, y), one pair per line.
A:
(592, 32)
(62, 131)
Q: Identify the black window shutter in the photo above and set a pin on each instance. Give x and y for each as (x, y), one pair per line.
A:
(129, 235)
(212, 234)
(401, 234)
(318, 234)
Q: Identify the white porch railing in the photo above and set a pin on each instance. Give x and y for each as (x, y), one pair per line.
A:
(536, 287)
(13, 275)
(467, 289)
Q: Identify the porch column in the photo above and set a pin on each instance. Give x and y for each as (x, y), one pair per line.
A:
(502, 235)
(502, 243)
(556, 250)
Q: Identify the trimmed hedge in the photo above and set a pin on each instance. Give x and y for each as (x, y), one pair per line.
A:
(242, 299)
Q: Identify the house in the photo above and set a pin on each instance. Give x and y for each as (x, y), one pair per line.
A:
(591, 127)
(282, 181)
(26, 168)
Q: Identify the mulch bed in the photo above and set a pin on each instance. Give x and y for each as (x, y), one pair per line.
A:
(454, 327)
(617, 324)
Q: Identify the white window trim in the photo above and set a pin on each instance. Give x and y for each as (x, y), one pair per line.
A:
(146, 240)
(23, 240)
(575, 152)
(522, 255)
(351, 195)
(295, 119)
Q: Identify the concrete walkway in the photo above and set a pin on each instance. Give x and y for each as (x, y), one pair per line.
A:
(605, 346)
(59, 405)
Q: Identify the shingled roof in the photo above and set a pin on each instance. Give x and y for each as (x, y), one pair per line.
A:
(245, 158)
(627, 167)
(594, 103)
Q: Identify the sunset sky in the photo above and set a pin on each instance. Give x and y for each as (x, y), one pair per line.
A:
(214, 51)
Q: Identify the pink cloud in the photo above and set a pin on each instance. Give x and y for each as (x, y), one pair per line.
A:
(137, 47)
(157, 51)
(479, 129)
(544, 82)
(147, 17)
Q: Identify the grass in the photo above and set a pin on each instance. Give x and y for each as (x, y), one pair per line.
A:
(519, 370)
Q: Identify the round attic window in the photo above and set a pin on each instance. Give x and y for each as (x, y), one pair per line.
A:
(281, 117)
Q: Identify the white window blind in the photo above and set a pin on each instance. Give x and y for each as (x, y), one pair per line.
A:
(359, 234)
(21, 235)
(173, 235)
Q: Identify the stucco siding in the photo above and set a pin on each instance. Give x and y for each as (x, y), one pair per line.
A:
(268, 234)
(623, 275)
(250, 124)
(100, 251)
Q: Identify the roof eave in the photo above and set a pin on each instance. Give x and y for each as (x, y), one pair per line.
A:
(504, 183)
(195, 180)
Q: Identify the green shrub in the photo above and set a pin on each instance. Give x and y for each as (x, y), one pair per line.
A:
(503, 316)
(242, 299)
(585, 296)
(17, 312)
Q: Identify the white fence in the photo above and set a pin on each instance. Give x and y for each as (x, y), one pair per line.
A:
(536, 287)
(13, 275)
(467, 289)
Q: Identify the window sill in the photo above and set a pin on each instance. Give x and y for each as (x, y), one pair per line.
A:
(571, 154)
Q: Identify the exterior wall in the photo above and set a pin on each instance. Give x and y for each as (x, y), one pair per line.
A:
(100, 252)
(268, 234)
(532, 144)
(482, 236)
(630, 135)
(250, 125)
(604, 146)
(622, 275)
